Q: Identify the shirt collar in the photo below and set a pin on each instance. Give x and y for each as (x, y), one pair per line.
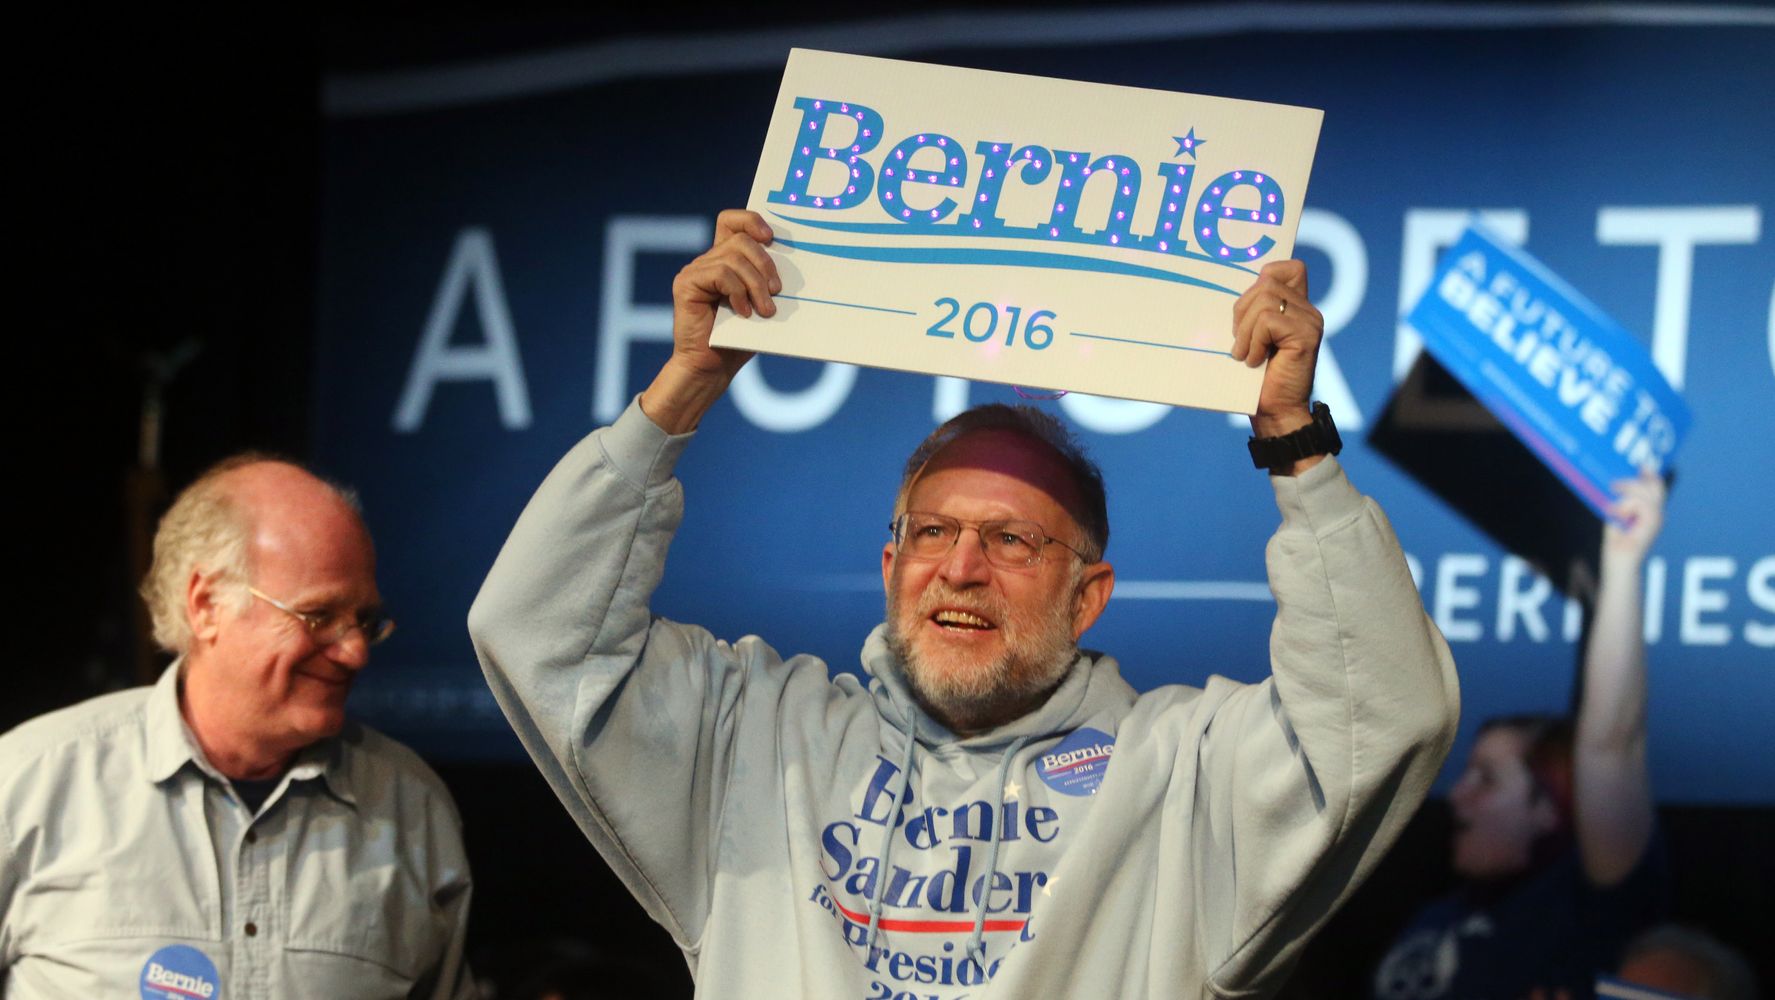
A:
(327, 762)
(171, 745)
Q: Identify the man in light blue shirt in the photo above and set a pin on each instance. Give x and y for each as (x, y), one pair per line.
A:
(226, 834)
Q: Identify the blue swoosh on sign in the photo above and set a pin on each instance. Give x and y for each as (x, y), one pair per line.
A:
(1001, 258)
(918, 227)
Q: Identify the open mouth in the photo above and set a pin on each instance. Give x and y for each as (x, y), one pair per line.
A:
(957, 620)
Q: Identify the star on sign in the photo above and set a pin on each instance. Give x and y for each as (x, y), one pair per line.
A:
(1187, 143)
(1012, 790)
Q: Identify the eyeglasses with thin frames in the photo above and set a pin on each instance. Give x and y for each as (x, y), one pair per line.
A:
(1008, 544)
(328, 628)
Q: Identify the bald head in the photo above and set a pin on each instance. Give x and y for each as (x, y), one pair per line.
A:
(234, 514)
(288, 507)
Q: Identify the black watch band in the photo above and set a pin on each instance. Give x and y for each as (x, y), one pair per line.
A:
(1278, 454)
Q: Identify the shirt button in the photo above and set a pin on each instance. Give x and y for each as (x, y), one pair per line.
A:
(252, 928)
(252, 837)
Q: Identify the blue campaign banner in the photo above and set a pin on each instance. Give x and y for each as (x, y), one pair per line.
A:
(500, 236)
(1579, 390)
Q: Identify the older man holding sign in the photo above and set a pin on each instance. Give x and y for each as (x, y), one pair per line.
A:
(996, 813)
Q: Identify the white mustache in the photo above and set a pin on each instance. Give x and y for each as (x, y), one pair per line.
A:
(941, 596)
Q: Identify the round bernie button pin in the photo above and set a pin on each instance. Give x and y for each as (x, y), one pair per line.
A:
(180, 972)
(1076, 765)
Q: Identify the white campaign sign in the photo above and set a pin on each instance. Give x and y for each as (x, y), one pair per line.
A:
(1020, 229)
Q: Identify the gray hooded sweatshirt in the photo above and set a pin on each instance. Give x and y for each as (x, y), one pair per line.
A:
(805, 835)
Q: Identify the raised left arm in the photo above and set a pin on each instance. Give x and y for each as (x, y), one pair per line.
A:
(1275, 321)
(1307, 780)
(1612, 791)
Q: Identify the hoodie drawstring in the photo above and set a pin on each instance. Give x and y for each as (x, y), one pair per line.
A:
(976, 949)
(887, 847)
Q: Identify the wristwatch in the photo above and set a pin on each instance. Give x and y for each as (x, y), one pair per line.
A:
(1278, 454)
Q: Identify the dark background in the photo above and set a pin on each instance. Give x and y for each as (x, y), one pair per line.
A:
(170, 197)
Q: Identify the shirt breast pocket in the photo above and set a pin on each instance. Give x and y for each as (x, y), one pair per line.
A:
(373, 929)
(109, 903)
(90, 932)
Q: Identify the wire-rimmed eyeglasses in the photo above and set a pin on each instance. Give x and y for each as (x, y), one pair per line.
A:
(1009, 544)
(329, 628)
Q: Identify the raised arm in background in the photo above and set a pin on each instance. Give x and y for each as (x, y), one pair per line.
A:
(1612, 791)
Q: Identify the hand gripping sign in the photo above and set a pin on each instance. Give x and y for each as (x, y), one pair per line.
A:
(1567, 380)
(1022, 230)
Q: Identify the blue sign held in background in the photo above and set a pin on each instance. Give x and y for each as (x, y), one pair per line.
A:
(1575, 386)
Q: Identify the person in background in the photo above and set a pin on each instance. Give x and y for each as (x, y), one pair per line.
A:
(227, 833)
(1553, 820)
(1689, 963)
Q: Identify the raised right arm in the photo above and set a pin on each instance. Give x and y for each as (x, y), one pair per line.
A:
(737, 271)
(625, 715)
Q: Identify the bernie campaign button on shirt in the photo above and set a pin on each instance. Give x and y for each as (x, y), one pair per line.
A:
(180, 972)
(1076, 765)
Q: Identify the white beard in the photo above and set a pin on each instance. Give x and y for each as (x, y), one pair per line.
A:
(967, 696)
